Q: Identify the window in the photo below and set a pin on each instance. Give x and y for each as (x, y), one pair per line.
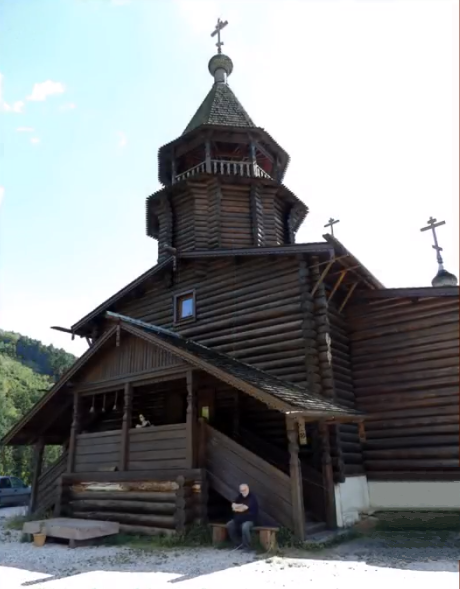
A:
(17, 484)
(184, 306)
(5, 483)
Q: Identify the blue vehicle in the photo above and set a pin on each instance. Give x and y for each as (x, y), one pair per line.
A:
(13, 492)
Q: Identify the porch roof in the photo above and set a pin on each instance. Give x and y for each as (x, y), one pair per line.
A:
(275, 392)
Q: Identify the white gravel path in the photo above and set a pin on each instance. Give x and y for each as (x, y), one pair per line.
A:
(360, 565)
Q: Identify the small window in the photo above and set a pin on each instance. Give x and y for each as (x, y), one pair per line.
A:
(184, 306)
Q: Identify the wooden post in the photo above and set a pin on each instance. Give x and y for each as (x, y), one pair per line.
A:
(201, 459)
(298, 511)
(74, 429)
(37, 470)
(126, 424)
(191, 420)
(207, 147)
(58, 504)
(252, 152)
(236, 415)
(328, 476)
(179, 517)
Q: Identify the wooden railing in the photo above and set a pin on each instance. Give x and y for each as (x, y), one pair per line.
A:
(226, 167)
(312, 480)
(48, 485)
(229, 464)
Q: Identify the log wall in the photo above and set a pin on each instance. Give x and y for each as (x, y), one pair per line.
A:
(405, 365)
(213, 213)
(248, 308)
(351, 451)
(141, 507)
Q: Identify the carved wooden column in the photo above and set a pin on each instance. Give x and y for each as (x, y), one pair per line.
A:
(74, 429)
(37, 470)
(328, 476)
(298, 511)
(126, 424)
(190, 421)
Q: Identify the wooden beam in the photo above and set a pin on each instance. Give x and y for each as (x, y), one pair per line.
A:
(73, 432)
(411, 292)
(328, 476)
(347, 297)
(190, 421)
(135, 378)
(37, 470)
(323, 275)
(298, 510)
(343, 273)
(126, 424)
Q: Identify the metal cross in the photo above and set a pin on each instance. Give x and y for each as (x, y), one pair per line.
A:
(219, 26)
(433, 224)
(331, 224)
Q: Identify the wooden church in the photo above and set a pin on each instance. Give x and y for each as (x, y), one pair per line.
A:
(243, 356)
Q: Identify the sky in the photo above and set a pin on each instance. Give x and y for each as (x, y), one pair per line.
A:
(362, 94)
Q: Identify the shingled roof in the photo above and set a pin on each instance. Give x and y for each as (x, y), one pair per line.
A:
(292, 398)
(220, 107)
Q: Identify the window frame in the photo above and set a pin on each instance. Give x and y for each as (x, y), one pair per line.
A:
(176, 302)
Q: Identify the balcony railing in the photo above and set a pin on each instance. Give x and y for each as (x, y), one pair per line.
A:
(224, 167)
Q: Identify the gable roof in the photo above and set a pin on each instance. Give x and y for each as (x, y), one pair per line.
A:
(220, 107)
(125, 291)
(289, 398)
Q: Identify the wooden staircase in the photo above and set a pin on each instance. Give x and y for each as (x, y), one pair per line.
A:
(48, 485)
(229, 463)
(312, 481)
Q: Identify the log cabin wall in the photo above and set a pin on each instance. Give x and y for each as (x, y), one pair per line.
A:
(351, 450)
(221, 213)
(405, 364)
(248, 308)
(318, 354)
(143, 506)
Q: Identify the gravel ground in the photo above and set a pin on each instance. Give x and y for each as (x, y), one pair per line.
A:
(408, 558)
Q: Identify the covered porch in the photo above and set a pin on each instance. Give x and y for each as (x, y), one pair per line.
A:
(196, 437)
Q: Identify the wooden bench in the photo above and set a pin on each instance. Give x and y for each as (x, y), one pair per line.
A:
(267, 535)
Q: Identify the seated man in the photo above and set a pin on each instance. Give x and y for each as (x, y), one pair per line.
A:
(245, 509)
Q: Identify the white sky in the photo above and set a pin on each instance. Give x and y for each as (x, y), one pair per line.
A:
(364, 96)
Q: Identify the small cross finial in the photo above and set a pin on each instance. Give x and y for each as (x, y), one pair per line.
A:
(433, 224)
(331, 224)
(219, 26)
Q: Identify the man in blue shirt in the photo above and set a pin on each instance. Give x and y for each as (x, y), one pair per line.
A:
(246, 511)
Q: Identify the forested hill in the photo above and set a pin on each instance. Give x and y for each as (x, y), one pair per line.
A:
(28, 369)
(47, 360)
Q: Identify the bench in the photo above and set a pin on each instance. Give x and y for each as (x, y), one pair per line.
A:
(267, 535)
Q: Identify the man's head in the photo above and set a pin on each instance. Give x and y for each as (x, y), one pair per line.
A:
(244, 489)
